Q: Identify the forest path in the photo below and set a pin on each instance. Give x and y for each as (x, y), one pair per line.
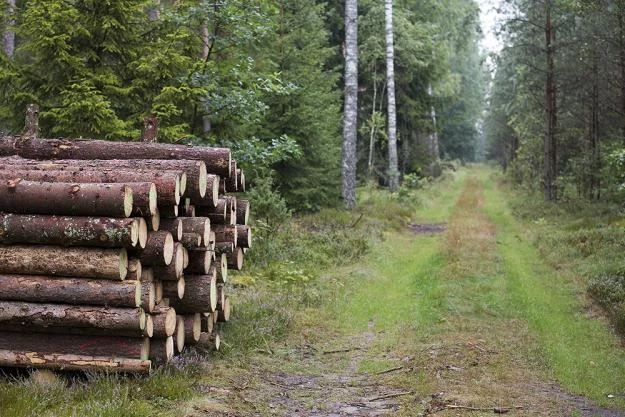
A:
(446, 319)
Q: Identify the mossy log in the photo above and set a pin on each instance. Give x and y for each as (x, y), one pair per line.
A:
(71, 230)
(63, 261)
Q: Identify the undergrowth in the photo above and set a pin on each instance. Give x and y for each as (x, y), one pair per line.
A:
(585, 238)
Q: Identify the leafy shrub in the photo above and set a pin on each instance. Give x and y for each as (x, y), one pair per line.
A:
(609, 292)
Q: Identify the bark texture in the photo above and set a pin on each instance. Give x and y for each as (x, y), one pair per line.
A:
(393, 171)
(350, 113)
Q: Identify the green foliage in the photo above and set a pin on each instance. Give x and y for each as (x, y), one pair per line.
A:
(609, 292)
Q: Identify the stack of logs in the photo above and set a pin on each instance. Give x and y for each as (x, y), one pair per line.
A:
(114, 255)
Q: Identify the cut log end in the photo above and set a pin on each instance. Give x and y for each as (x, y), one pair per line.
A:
(142, 232)
(153, 199)
(123, 264)
(203, 180)
(183, 185)
(134, 232)
(149, 326)
(180, 334)
(128, 200)
(235, 259)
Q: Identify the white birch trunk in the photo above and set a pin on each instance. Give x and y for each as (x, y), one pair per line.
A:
(393, 171)
(433, 139)
(350, 114)
(8, 38)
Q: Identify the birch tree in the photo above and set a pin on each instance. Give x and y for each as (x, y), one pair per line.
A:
(9, 33)
(350, 113)
(393, 171)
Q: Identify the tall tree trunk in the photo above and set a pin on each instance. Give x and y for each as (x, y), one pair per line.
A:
(9, 34)
(393, 171)
(433, 138)
(373, 126)
(594, 128)
(350, 115)
(621, 24)
(550, 142)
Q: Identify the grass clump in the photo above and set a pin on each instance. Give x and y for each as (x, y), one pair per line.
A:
(609, 291)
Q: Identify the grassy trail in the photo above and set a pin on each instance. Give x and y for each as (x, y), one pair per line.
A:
(443, 324)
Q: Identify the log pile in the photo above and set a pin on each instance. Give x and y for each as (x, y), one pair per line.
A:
(115, 255)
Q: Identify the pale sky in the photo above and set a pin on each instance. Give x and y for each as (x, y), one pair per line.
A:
(488, 19)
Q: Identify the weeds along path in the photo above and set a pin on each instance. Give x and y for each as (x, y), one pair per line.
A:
(464, 322)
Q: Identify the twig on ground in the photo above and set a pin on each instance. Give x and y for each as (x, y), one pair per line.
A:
(384, 397)
(327, 352)
(386, 371)
(496, 410)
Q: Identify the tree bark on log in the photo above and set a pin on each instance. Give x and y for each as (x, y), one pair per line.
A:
(179, 335)
(212, 192)
(240, 181)
(62, 261)
(221, 269)
(164, 319)
(221, 296)
(192, 328)
(224, 247)
(134, 270)
(208, 322)
(169, 212)
(191, 241)
(174, 270)
(199, 262)
(174, 289)
(235, 259)
(243, 212)
(69, 230)
(225, 233)
(45, 289)
(86, 199)
(199, 225)
(244, 236)
(71, 362)
(209, 341)
(232, 181)
(148, 296)
(223, 314)
(144, 193)
(158, 251)
(162, 350)
(173, 226)
(218, 160)
(154, 221)
(33, 315)
(200, 295)
(217, 214)
(125, 347)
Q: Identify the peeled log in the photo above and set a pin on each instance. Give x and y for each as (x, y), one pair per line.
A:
(70, 362)
(125, 347)
(62, 261)
(158, 251)
(199, 262)
(217, 160)
(244, 236)
(162, 350)
(88, 199)
(164, 319)
(69, 231)
(45, 289)
(31, 315)
(200, 295)
(243, 211)
(192, 327)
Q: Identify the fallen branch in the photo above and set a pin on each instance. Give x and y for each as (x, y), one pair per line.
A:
(386, 371)
(496, 410)
(384, 397)
(327, 352)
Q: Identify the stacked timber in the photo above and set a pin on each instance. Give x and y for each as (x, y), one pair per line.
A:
(115, 255)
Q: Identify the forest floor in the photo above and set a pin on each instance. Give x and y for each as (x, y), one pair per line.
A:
(454, 316)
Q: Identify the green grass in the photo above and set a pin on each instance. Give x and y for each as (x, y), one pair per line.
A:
(583, 354)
